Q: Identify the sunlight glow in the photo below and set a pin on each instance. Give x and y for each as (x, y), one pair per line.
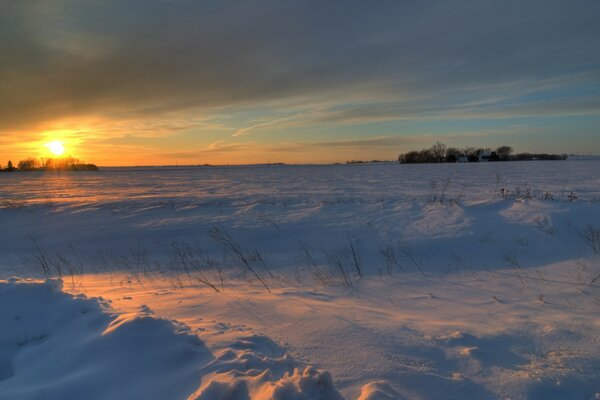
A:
(56, 147)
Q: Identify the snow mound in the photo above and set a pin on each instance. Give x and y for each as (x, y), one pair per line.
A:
(309, 384)
(255, 367)
(379, 391)
(55, 346)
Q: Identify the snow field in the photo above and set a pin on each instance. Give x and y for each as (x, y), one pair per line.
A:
(416, 282)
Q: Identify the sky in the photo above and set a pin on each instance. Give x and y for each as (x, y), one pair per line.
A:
(164, 82)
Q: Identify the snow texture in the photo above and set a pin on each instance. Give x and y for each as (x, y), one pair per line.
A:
(57, 346)
(470, 281)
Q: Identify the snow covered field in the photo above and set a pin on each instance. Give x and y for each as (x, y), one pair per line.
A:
(471, 281)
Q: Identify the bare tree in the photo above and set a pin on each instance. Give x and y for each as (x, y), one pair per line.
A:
(452, 154)
(504, 152)
(29, 164)
(438, 150)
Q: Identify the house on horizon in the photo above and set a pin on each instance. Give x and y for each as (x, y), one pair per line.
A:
(487, 156)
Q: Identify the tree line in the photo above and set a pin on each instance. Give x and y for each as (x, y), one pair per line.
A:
(440, 153)
(49, 164)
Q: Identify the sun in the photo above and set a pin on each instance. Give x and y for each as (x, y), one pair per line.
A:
(56, 147)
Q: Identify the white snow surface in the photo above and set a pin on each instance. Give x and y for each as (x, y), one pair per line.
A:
(57, 346)
(470, 281)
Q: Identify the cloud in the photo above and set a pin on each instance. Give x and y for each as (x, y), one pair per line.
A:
(391, 145)
(246, 131)
(294, 119)
(134, 59)
(120, 74)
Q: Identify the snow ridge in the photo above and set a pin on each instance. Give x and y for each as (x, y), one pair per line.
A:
(55, 346)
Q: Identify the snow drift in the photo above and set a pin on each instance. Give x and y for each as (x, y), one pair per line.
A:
(57, 346)
(433, 282)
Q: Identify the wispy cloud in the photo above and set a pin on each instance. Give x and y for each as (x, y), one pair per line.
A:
(391, 144)
(173, 67)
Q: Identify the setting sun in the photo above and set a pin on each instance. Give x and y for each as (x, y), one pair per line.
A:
(56, 148)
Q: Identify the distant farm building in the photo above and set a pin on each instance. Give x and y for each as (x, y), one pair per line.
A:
(487, 156)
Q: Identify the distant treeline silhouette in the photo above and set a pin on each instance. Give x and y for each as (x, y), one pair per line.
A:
(369, 161)
(49, 164)
(440, 153)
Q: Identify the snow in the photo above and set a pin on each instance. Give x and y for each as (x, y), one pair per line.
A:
(56, 346)
(465, 290)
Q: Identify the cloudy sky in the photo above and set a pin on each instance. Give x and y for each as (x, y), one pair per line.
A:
(125, 82)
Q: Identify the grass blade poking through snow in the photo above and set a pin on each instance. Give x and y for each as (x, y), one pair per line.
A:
(224, 239)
